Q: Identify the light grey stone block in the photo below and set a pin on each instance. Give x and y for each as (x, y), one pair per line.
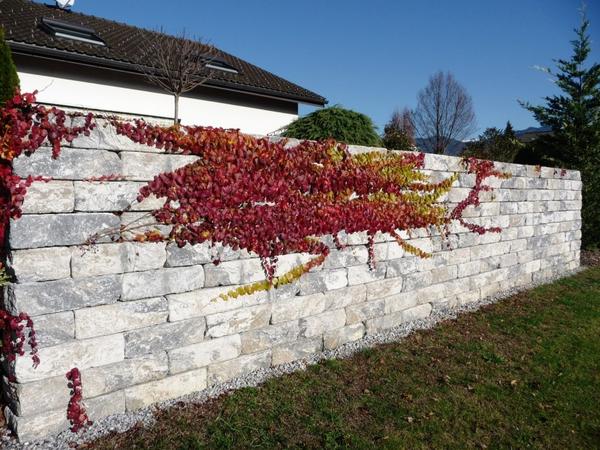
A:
(239, 320)
(62, 295)
(107, 195)
(72, 164)
(363, 311)
(123, 374)
(28, 399)
(206, 301)
(319, 324)
(174, 386)
(297, 307)
(335, 338)
(50, 197)
(37, 426)
(384, 288)
(292, 351)
(323, 281)
(41, 264)
(267, 337)
(224, 371)
(111, 258)
(377, 324)
(165, 336)
(145, 166)
(400, 302)
(118, 317)
(349, 256)
(234, 272)
(59, 359)
(159, 282)
(204, 353)
(53, 329)
(363, 274)
(52, 230)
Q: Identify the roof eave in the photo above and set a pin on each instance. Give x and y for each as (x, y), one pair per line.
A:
(28, 49)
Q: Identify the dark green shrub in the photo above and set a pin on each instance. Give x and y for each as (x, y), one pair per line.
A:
(495, 145)
(9, 80)
(338, 123)
(398, 133)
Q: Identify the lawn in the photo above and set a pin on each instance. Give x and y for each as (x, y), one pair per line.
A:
(523, 373)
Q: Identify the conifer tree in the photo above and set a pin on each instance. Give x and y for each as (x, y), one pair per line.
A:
(574, 117)
(9, 80)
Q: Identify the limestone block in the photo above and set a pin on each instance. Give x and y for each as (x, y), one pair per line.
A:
(297, 307)
(377, 324)
(50, 197)
(204, 353)
(239, 320)
(62, 295)
(363, 311)
(335, 338)
(400, 302)
(106, 195)
(198, 254)
(37, 426)
(41, 264)
(53, 329)
(323, 281)
(165, 336)
(317, 325)
(174, 386)
(72, 164)
(105, 259)
(105, 405)
(51, 230)
(224, 371)
(59, 359)
(129, 372)
(346, 257)
(118, 317)
(403, 266)
(293, 351)
(27, 399)
(153, 283)
(340, 298)
(206, 301)
(363, 274)
(145, 166)
(267, 337)
(417, 280)
(384, 288)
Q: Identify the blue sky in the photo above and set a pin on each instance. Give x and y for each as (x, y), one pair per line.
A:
(374, 56)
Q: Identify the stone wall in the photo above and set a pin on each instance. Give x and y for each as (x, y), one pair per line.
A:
(138, 321)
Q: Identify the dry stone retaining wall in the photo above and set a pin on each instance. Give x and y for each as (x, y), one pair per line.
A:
(138, 321)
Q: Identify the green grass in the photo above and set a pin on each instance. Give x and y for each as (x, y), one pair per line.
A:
(524, 373)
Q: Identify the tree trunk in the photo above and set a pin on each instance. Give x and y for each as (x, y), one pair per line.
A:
(176, 119)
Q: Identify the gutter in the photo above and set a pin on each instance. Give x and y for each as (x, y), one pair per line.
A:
(21, 48)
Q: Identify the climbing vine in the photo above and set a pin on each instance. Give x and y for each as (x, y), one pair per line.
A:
(76, 412)
(254, 194)
(24, 127)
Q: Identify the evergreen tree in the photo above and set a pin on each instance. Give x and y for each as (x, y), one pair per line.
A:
(9, 80)
(399, 134)
(574, 117)
(495, 145)
(335, 122)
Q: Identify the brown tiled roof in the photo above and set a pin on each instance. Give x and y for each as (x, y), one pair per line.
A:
(22, 19)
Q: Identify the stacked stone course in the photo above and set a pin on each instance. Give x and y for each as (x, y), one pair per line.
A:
(140, 322)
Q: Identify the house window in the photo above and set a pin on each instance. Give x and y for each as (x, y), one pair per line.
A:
(216, 63)
(66, 30)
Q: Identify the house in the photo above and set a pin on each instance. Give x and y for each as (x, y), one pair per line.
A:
(85, 62)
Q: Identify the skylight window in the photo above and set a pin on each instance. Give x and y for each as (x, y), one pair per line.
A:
(67, 30)
(216, 63)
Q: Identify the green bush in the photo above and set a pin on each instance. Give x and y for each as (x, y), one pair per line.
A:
(9, 80)
(495, 145)
(338, 123)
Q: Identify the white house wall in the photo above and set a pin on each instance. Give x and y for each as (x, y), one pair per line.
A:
(213, 107)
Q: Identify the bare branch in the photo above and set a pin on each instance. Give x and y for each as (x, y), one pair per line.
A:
(444, 113)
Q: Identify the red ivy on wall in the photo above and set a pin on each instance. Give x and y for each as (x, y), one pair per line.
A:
(76, 412)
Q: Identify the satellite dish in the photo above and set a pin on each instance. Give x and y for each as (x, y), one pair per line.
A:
(65, 4)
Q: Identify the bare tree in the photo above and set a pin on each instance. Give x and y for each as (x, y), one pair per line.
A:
(444, 113)
(399, 133)
(176, 64)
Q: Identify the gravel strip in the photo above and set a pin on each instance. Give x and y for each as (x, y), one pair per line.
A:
(124, 421)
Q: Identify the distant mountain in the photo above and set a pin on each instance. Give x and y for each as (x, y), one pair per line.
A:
(455, 147)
